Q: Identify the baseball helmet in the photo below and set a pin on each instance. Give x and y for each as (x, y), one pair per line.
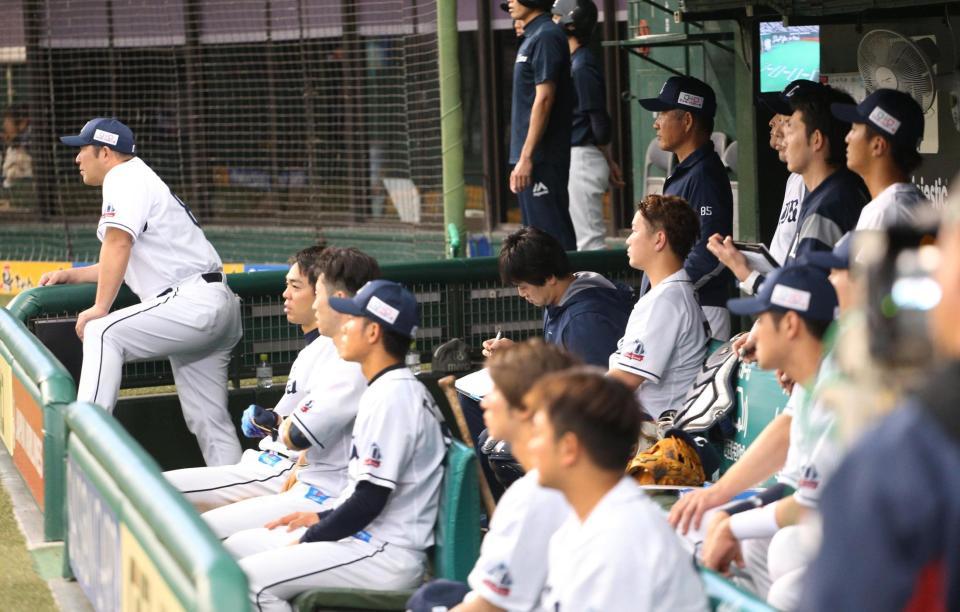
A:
(534, 4)
(578, 17)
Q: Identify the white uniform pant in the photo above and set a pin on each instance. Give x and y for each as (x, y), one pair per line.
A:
(719, 319)
(278, 572)
(258, 511)
(588, 181)
(258, 473)
(195, 326)
(755, 576)
(788, 557)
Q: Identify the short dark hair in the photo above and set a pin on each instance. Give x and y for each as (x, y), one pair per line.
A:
(701, 123)
(515, 368)
(905, 157)
(394, 343)
(816, 327)
(120, 154)
(345, 268)
(675, 217)
(17, 112)
(530, 255)
(306, 259)
(602, 412)
(814, 107)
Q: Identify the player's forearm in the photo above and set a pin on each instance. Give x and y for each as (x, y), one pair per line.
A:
(85, 274)
(114, 256)
(761, 460)
(539, 117)
(353, 515)
(632, 381)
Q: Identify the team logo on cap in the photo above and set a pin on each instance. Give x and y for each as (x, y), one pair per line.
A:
(788, 297)
(107, 137)
(688, 99)
(792, 91)
(885, 121)
(382, 310)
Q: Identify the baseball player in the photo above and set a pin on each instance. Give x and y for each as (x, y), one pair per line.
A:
(510, 572)
(685, 109)
(793, 195)
(665, 341)
(540, 121)
(319, 424)
(891, 512)
(151, 240)
(375, 535)
(795, 306)
(585, 428)
(264, 471)
(885, 131)
(592, 167)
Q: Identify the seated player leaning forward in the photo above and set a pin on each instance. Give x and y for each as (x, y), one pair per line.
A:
(583, 311)
(263, 472)
(665, 342)
(320, 425)
(375, 535)
(187, 313)
(510, 572)
(615, 551)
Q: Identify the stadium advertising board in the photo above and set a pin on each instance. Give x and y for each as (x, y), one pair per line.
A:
(28, 439)
(6, 405)
(93, 540)
(106, 557)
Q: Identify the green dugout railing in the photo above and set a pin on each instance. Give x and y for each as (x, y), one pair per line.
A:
(133, 542)
(34, 388)
(461, 298)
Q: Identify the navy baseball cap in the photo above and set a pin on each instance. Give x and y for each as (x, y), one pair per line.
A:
(893, 114)
(384, 302)
(804, 289)
(779, 101)
(837, 259)
(106, 132)
(684, 93)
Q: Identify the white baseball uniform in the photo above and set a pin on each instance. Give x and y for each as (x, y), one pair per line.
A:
(264, 471)
(623, 557)
(325, 418)
(398, 444)
(793, 195)
(898, 204)
(186, 311)
(510, 572)
(665, 342)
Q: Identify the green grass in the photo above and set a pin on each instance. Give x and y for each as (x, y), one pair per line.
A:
(4, 300)
(22, 588)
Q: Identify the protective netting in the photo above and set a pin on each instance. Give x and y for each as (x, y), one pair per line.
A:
(315, 116)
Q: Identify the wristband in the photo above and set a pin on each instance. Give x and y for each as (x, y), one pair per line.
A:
(756, 523)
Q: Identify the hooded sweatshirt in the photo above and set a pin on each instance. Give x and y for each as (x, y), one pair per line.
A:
(590, 317)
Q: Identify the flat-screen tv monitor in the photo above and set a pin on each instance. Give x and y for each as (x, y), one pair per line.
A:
(787, 54)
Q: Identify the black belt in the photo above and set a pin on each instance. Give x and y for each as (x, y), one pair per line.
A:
(210, 277)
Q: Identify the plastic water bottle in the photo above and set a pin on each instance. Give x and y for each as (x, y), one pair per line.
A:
(264, 372)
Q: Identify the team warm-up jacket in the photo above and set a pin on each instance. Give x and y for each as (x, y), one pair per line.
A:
(701, 180)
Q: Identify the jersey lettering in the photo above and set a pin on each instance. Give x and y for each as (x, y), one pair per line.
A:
(186, 208)
(790, 212)
(706, 211)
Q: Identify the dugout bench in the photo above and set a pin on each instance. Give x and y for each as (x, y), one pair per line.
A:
(459, 298)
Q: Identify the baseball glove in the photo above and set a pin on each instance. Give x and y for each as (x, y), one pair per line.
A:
(671, 461)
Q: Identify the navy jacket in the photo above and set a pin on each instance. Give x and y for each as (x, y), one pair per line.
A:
(590, 318)
(828, 212)
(701, 179)
(891, 512)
